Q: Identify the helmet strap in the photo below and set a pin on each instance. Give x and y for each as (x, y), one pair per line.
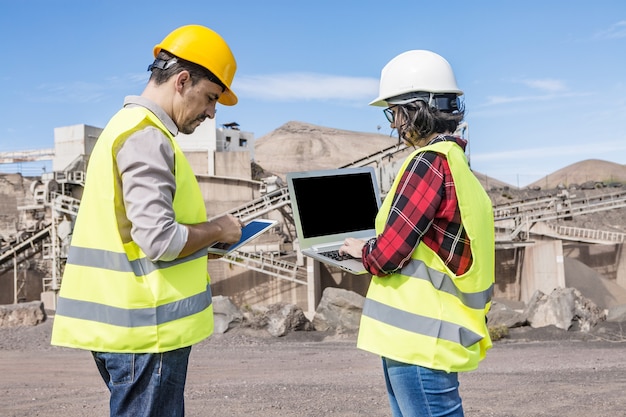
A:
(162, 64)
(445, 102)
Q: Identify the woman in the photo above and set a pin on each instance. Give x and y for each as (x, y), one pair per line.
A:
(433, 258)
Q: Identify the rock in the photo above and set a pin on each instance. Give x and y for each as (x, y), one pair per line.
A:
(278, 319)
(255, 317)
(502, 315)
(561, 308)
(225, 314)
(283, 318)
(339, 310)
(617, 314)
(587, 313)
(22, 314)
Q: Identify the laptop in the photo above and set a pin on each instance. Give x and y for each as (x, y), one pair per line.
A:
(250, 231)
(331, 205)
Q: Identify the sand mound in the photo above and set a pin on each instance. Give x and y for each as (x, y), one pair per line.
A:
(582, 172)
(602, 291)
(298, 146)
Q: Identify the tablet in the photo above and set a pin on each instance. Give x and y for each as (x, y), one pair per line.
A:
(250, 231)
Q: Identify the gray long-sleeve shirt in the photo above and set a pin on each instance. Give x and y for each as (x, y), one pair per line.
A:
(145, 163)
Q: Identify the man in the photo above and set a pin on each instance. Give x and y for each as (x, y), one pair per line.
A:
(135, 289)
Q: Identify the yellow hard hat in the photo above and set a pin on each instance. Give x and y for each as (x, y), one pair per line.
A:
(202, 46)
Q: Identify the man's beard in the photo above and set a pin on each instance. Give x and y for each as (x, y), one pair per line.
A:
(189, 128)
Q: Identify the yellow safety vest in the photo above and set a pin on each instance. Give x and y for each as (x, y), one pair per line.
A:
(112, 297)
(425, 314)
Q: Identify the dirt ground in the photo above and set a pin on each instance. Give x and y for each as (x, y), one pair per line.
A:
(533, 372)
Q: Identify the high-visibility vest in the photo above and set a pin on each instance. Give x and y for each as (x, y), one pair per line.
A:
(425, 314)
(113, 298)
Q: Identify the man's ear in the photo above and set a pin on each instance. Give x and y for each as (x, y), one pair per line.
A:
(183, 79)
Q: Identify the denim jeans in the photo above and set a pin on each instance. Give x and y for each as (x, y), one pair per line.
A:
(145, 384)
(415, 391)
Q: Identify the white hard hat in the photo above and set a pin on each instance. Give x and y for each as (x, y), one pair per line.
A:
(415, 71)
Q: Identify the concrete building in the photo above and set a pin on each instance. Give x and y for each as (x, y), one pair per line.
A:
(72, 144)
(47, 203)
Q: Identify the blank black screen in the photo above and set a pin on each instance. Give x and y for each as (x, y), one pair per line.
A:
(335, 204)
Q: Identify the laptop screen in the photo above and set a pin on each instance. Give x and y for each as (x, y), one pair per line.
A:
(333, 204)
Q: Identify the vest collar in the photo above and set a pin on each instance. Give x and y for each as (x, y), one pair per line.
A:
(131, 101)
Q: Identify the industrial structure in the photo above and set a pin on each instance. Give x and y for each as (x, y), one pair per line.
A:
(528, 237)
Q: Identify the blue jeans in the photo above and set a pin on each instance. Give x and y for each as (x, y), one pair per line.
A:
(145, 384)
(415, 391)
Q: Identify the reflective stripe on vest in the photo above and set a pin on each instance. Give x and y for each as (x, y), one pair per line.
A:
(119, 262)
(418, 269)
(414, 323)
(103, 259)
(138, 317)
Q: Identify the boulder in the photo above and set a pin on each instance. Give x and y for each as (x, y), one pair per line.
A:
(339, 310)
(283, 318)
(22, 314)
(226, 315)
(616, 313)
(561, 308)
(502, 315)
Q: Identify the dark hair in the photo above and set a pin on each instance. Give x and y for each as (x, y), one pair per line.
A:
(420, 120)
(197, 72)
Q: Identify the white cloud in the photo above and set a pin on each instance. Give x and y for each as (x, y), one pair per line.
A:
(496, 100)
(582, 150)
(73, 92)
(524, 166)
(546, 84)
(615, 31)
(552, 89)
(305, 86)
(85, 92)
(134, 78)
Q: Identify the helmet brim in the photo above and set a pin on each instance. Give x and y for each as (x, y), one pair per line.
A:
(379, 102)
(228, 98)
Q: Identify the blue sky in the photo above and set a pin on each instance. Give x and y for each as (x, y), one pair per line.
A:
(544, 81)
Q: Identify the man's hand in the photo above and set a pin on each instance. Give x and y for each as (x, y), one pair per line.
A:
(230, 227)
(226, 228)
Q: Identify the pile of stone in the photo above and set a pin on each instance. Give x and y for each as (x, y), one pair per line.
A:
(339, 312)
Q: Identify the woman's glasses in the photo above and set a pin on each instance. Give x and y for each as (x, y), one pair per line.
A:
(390, 114)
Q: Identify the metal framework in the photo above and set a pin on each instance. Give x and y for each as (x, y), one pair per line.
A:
(514, 222)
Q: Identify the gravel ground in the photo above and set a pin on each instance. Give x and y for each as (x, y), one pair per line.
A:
(533, 372)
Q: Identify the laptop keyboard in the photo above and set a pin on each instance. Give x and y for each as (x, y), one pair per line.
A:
(334, 254)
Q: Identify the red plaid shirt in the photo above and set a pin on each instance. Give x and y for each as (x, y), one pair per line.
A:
(424, 208)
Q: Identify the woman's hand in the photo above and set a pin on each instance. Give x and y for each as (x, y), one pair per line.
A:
(352, 247)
